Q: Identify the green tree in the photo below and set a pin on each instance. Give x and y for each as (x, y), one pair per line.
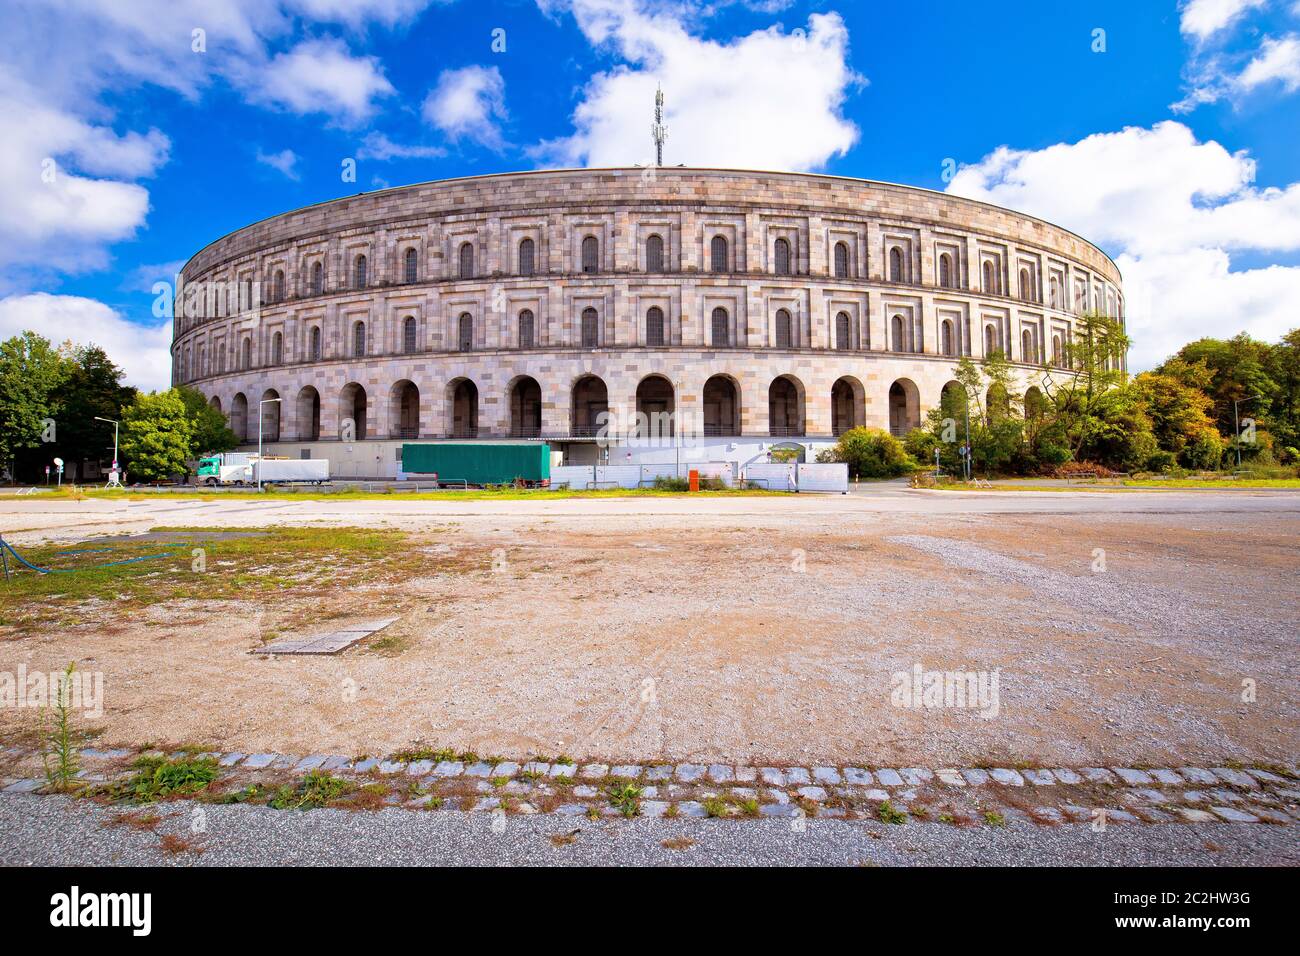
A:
(1240, 369)
(212, 432)
(870, 453)
(1180, 414)
(93, 389)
(32, 376)
(157, 435)
(1079, 396)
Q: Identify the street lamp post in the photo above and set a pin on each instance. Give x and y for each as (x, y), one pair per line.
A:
(258, 465)
(114, 424)
(1236, 425)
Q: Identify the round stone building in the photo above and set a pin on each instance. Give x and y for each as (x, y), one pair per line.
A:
(731, 310)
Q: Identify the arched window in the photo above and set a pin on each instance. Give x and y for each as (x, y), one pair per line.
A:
(527, 253)
(895, 264)
(279, 285)
(1026, 286)
(359, 272)
(359, 339)
(590, 328)
(781, 257)
(721, 328)
(466, 261)
(1054, 292)
(1056, 350)
(277, 349)
(317, 278)
(221, 357)
(1027, 346)
(843, 331)
(247, 289)
(990, 340)
(783, 327)
(654, 254)
(898, 333)
(654, 326)
(409, 330)
(411, 265)
(314, 349)
(246, 353)
(718, 254)
(946, 339)
(590, 254)
(465, 333)
(527, 329)
(990, 278)
(945, 272)
(841, 260)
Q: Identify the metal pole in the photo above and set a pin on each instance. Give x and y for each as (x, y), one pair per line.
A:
(1236, 433)
(257, 464)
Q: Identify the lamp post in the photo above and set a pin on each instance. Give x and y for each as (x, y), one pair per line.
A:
(114, 424)
(1236, 426)
(258, 465)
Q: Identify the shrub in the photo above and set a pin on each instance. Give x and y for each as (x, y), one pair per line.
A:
(870, 453)
(665, 483)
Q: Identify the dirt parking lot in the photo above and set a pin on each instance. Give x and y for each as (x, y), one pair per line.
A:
(768, 633)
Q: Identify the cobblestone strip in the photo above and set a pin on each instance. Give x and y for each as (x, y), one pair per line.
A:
(961, 796)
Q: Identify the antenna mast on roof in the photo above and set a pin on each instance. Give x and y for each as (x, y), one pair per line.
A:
(657, 130)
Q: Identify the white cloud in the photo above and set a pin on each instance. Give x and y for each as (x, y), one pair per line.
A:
(1278, 61)
(142, 351)
(358, 12)
(285, 161)
(769, 100)
(468, 103)
(59, 57)
(1204, 18)
(378, 146)
(321, 76)
(1222, 77)
(1175, 210)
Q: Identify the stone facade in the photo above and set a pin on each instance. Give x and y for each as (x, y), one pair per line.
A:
(387, 304)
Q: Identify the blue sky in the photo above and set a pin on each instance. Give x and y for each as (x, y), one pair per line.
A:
(1169, 137)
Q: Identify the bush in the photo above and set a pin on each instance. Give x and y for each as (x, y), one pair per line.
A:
(1161, 461)
(1072, 469)
(665, 483)
(870, 453)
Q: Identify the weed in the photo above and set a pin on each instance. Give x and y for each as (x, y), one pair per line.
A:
(677, 843)
(157, 778)
(888, 813)
(60, 756)
(315, 790)
(499, 782)
(564, 839)
(994, 819)
(173, 844)
(133, 819)
(625, 798)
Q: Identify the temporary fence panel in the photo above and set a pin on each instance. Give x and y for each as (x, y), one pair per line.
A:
(830, 477)
(572, 476)
(776, 476)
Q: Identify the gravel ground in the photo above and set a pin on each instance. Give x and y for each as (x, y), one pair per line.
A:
(709, 635)
(45, 831)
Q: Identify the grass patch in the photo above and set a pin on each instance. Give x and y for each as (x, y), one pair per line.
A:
(994, 819)
(889, 813)
(284, 561)
(157, 778)
(315, 790)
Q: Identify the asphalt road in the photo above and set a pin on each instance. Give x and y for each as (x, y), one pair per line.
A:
(61, 831)
(32, 518)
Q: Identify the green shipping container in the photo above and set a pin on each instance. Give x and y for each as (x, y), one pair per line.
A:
(479, 464)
